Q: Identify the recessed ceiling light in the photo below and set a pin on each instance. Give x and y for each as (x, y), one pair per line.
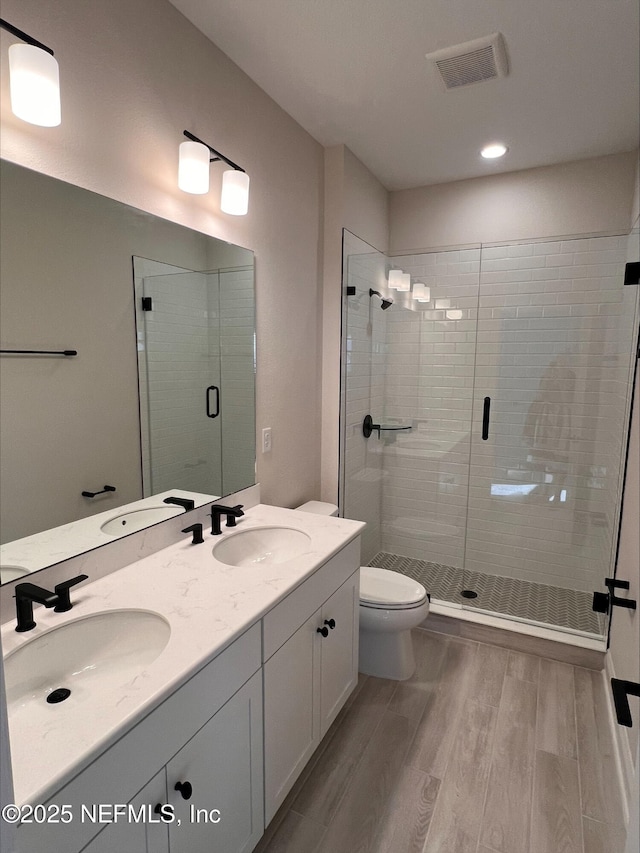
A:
(495, 149)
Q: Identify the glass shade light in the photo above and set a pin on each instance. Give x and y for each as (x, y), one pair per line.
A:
(395, 279)
(235, 192)
(193, 168)
(34, 85)
(421, 292)
(405, 282)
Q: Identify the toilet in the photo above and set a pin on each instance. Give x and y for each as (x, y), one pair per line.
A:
(391, 605)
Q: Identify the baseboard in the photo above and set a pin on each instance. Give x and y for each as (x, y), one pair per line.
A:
(622, 751)
(517, 636)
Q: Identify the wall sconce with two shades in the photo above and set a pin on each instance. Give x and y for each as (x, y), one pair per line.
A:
(193, 175)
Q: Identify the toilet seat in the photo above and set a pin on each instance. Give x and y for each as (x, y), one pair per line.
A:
(381, 589)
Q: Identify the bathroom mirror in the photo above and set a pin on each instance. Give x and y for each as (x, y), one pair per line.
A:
(72, 423)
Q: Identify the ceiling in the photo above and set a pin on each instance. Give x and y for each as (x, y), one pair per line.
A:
(354, 72)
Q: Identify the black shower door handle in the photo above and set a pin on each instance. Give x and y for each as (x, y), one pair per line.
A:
(211, 414)
(486, 414)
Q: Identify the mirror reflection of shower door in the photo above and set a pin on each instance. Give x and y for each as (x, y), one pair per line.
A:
(182, 366)
(553, 356)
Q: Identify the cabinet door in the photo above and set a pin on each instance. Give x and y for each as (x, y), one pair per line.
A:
(291, 706)
(222, 809)
(339, 650)
(150, 834)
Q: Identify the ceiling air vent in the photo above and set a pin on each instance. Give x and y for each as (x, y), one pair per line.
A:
(472, 62)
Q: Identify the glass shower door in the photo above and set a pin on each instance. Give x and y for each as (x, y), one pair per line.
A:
(554, 346)
(180, 379)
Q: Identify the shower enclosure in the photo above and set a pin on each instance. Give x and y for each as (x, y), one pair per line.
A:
(196, 371)
(503, 407)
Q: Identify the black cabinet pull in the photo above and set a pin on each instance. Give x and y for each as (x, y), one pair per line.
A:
(210, 413)
(323, 631)
(486, 414)
(620, 690)
(185, 788)
(331, 623)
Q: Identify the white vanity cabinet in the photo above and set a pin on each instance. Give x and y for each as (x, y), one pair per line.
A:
(209, 732)
(311, 666)
(133, 836)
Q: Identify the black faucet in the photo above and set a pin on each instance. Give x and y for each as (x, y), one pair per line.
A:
(196, 529)
(28, 593)
(185, 503)
(231, 512)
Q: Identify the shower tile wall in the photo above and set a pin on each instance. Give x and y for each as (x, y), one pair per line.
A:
(554, 354)
(237, 349)
(363, 374)
(430, 355)
(554, 331)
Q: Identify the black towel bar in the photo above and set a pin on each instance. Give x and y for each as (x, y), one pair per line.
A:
(38, 352)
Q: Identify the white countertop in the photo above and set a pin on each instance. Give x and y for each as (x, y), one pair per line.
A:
(207, 605)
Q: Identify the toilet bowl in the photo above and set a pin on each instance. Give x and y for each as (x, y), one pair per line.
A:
(391, 605)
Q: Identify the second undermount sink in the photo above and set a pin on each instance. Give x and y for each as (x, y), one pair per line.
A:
(12, 573)
(266, 546)
(137, 519)
(84, 658)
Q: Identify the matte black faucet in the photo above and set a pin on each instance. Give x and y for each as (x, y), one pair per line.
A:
(231, 512)
(185, 503)
(28, 593)
(196, 529)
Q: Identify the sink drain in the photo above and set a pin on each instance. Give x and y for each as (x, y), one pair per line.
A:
(469, 593)
(58, 695)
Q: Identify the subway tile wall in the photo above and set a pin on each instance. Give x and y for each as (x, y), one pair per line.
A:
(546, 331)
(363, 381)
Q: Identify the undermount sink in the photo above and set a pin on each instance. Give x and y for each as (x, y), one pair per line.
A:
(137, 519)
(85, 658)
(262, 546)
(12, 573)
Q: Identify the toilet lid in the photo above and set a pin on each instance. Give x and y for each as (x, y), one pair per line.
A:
(385, 589)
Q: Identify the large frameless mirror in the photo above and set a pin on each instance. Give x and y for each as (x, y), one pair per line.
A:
(132, 409)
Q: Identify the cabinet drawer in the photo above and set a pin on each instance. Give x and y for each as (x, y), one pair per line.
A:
(285, 619)
(119, 773)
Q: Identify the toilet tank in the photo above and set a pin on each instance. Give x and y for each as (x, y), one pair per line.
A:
(319, 508)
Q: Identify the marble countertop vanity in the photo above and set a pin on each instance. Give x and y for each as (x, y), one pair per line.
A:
(206, 604)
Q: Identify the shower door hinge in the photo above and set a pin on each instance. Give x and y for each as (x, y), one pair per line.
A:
(147, 303)
(632, 272)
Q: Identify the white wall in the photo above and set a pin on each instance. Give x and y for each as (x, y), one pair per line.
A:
(353, 199)
(133, 77)
(585, 198)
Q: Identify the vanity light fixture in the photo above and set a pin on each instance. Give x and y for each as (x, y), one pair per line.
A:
(34, 81)
(421, 292)
(494, 150)
(193, 175)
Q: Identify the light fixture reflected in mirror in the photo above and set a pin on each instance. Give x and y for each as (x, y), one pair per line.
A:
(395, 279)
(421, 293)
(193, 175)
(34, 80)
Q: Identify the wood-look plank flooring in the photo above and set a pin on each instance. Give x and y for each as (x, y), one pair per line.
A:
(483, 750)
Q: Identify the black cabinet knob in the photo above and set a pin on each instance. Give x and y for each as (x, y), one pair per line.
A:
(331, 623)
(185, 788)
(323, 631)
(158, 808)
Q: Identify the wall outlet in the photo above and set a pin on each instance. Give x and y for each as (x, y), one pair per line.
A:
(266, 440)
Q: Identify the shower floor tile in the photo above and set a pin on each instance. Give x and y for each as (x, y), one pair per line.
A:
(537, 602)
